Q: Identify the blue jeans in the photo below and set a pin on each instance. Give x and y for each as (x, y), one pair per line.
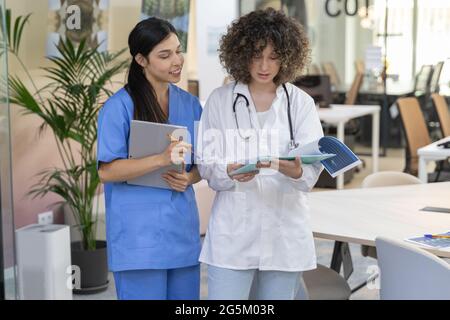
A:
(170, 284)
(228, 284)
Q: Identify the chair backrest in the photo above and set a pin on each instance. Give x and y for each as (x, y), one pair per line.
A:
(443, 113)
(423, 79)
(416, 131)
(360, 66)
(352, 94)
(409, 273)
(389, 178)
(330, 70)
(434, 82)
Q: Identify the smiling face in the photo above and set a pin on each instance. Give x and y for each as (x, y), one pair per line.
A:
(165, 61)
(265, 66)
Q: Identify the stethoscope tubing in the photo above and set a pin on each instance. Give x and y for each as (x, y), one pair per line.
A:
(292, 144)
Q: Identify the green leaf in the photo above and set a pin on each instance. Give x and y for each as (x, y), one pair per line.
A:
(74, 95)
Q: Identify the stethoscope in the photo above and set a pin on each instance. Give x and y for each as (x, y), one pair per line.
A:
(292, 143)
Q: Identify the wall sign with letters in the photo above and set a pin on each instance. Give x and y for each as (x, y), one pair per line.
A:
(334, 8)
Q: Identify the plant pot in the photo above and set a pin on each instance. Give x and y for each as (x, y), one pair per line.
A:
(93, 266)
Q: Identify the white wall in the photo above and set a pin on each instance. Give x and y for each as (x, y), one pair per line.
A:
(213, 17)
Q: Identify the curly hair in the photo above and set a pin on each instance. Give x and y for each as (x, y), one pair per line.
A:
(250, 34)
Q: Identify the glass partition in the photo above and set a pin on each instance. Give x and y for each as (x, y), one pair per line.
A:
(7, 253)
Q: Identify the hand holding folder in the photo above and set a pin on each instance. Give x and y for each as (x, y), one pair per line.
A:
(335, 156)
(305, 159)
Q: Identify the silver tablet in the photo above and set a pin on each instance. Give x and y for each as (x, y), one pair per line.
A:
(149, 138)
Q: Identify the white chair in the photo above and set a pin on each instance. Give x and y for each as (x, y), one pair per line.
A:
(385, 179)
(411, 273)
(389, 178)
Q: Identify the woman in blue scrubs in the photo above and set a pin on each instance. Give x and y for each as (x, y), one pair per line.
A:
(152, 234)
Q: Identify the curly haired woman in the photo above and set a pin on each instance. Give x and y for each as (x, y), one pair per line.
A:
(259, 226)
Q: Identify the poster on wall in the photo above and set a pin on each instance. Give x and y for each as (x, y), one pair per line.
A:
(175, 11)
(77, 20)
(293, 8)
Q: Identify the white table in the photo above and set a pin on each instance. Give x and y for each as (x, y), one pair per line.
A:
(431, 152)
(338, 115)
(361, 215)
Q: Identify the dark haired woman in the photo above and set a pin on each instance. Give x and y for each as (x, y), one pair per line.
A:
(259, 224)
(153, 234)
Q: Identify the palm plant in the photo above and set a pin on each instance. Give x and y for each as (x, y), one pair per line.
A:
(68, 105)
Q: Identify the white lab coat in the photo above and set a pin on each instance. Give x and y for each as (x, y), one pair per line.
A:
(264, 223)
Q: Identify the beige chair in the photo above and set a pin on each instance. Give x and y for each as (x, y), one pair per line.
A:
(415, 129)
(205, 198)
(389, 178)
(360, 66)
(410, 273)
(352, 94)
(323, 283)
(385, 179)
(443, 114)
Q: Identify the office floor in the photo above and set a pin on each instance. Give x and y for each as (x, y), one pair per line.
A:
(363, 267)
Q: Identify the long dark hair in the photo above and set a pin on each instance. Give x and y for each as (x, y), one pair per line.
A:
(142, 39)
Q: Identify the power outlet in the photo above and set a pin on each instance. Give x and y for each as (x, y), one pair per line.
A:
(45, 217)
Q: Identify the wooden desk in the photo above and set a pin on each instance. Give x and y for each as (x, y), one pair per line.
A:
(431, 152)
(361, 215)
(339, 114)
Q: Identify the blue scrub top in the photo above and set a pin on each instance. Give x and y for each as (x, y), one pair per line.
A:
(147, 228)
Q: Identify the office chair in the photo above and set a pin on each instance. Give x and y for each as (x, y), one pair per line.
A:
(415, 130)
(385, 179)
(360, 66)
(443, 115)
(436, 76)
(429, 111)
(319, 284)
(408, 272)
(441, 106)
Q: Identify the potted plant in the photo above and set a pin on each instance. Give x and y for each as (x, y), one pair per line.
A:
(68, 106)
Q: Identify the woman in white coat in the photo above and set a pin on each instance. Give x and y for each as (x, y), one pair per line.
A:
(260, 223)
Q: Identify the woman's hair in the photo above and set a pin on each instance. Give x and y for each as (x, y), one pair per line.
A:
(250, 34)
(142, 39)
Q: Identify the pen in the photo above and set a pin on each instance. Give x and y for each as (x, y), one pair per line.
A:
(173, 139)
(437, 236)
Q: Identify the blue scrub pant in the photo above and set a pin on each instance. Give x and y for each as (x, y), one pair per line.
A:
(165, 284)
(228, 284)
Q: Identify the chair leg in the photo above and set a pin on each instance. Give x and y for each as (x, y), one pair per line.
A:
(365, 283)
(439, 170)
